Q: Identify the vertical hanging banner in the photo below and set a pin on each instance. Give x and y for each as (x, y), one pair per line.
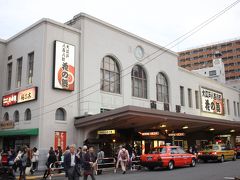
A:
(60, 139)
(64, 69)
(212, 101)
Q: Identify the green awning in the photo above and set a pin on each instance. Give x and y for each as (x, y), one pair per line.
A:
(19, 132)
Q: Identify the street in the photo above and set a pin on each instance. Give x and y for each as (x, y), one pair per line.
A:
(203, 171)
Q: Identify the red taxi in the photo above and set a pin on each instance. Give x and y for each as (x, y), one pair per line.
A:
(167, 156)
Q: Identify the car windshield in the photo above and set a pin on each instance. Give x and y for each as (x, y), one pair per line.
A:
(159, 151)
(211, 147)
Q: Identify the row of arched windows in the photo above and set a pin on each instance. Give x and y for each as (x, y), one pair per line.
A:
(110, 80)
(27, 116)
(60, 115)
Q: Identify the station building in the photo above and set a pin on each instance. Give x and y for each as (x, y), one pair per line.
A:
(87, 81)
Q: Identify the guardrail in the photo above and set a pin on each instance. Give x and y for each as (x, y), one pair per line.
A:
(136, 163)
(105, 164)
(57, 166)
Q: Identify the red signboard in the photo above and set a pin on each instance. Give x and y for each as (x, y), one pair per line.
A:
(60, 139)
(9, 99)
(19, 97)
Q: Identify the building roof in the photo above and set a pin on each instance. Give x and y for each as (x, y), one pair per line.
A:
(84, 15)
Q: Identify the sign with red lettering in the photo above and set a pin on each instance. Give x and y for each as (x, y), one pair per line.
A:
(64, 69)
(60, 139)
(9, 99)
(19, 97)
(212, 101)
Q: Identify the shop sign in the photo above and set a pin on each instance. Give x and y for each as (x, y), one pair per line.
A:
(64, 69)
(60, 139)
(9, 100)
(7, 124)
(27, 95)
(20, 97)
(224, 135)
(155, 133)
(212, 101)
(101, 132)
(176, 134)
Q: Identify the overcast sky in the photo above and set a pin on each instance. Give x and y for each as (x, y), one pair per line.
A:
(156, 20)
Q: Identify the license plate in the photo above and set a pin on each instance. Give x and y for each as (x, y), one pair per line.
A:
(149, 158)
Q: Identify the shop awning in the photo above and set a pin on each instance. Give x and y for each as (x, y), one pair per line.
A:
(146, 118)
(19, 132)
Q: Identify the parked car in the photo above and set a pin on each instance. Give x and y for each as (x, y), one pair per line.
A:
(237, 149)
(217, 152)
(167, 156)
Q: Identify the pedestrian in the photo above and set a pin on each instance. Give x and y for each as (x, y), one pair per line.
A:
(123, 158)
(25, 162)
(117, 164)
(51, 158)
(35, 158)
(100, 156)
(72, 162)
(89, 162)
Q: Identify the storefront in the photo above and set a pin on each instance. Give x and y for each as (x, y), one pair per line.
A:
(17, 138)
(145, 128)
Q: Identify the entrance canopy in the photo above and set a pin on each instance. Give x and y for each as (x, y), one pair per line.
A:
(144, 118)
(19, 132)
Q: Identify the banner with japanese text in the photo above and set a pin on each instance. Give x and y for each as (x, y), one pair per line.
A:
(60, 139)
(212, 101)
(64, 69)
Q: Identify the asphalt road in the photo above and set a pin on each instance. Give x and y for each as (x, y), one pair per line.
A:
(203, 171)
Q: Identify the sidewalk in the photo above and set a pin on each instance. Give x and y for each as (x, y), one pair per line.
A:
(39, 175)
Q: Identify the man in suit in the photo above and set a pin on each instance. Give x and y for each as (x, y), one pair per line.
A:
(89, 162)
(72, 162)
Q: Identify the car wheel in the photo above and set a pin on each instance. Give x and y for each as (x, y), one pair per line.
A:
(193, 162)
(170, 165)
(150, 168)
(222, 159)
(234, 157)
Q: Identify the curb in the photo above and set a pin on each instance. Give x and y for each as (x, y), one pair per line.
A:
(41, 176)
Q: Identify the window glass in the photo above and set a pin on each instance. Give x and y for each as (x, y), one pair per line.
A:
(139, 82)
(162, 88)
(110, 75)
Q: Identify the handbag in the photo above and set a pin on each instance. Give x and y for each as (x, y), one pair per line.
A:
(28, 170)
(77, 169)
(88, 172)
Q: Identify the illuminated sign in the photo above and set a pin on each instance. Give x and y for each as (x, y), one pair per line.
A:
(19, 97)
(155, 133)
(176, 134)
(60, 139)
(100, 132)
(64, 69)
(7, 124)
(27, 95)
(212, 101)
(9, 99)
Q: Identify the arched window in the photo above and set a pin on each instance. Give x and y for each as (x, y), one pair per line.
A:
(139, 82)
(28, 115)
(6, 116)
(110, 75)
(60, 114)
(16, 116)
(162, 88)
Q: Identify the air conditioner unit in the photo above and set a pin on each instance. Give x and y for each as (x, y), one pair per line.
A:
(153, 104)
(178, 108)
(166, 107)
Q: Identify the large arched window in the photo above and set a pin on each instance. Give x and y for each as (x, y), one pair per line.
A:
(162, 88)
(139, 82)
(60, 114)
(110, 75)
(16, 116)
(28, 115)
(6, 116)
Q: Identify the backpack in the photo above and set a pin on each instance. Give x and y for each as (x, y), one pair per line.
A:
(124, 155)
